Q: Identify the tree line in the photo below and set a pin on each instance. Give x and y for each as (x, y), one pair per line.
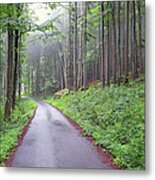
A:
(96, 41)
(14, 24)
(84, 42)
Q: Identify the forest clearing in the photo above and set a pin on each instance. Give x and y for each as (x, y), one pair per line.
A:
(72, 79)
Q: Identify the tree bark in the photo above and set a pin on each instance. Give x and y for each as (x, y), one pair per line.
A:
(134, 44)
(85, 48)
(139, 36)
(32, 81)
(79, 81)
(1, 71)
(9, 82)
(15, 76)
(102, 45)
(19, 68)
(75, 47)
(114, 55)
(65, 71)
(126, 39)
(70, 47)
(108, 50)
(119, 42)
(38, 76)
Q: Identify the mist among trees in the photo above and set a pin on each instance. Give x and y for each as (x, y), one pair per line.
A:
(80, 43)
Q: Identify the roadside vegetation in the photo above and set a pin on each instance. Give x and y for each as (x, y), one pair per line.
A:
(114, 116)
(10, 130)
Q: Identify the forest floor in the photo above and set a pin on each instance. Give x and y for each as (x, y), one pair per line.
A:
(51, 141)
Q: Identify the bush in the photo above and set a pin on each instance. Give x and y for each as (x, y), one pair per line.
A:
(61, 93)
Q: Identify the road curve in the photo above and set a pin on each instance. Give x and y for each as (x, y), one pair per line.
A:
(51, 141)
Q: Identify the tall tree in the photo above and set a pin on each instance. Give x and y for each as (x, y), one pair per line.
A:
(1, 67)
(19, 68)
(85, 48)
(118, 9)
(139, 35)
(38, 73)
(80, 72)
(108, 48)
(75, 47)
(126, 58)
(15, 76)
(69, 46)
(102, 45)
(114, 55)
(8, 103)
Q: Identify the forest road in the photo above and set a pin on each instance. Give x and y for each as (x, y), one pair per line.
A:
(51, 141)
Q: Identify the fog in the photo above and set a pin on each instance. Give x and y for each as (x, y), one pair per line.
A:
(44, 48)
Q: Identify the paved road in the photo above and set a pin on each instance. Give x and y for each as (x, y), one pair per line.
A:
(51, 141)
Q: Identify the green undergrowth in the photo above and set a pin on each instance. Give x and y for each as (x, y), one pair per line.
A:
(114, 116)
(11, 129)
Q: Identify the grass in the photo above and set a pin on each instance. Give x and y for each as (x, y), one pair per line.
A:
(114, 116)
(11, 129)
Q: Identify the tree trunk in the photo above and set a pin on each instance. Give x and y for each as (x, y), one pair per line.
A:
(15, 76)
(32, 81)
(19, 70)
(99, 48)
(61, 73)
(139, 36)
(123, 39)
(65, 71)
(75, 47)
(1, 68)
(70, 47)
(114, 55)
(134, 43)
(85, 48)
(38, 76)
(126, 39)
(119, 42)
(108, 50)
(102, 45)
(79, 81)
(9, 82)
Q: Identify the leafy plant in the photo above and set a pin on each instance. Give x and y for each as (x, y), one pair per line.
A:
(114, 116)
(11, 129)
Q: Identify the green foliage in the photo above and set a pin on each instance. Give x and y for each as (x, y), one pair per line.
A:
(61, 94)
(11, 129)
(114, 116)
(15, 16)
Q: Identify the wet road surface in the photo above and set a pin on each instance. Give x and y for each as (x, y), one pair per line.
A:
(51, 141)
